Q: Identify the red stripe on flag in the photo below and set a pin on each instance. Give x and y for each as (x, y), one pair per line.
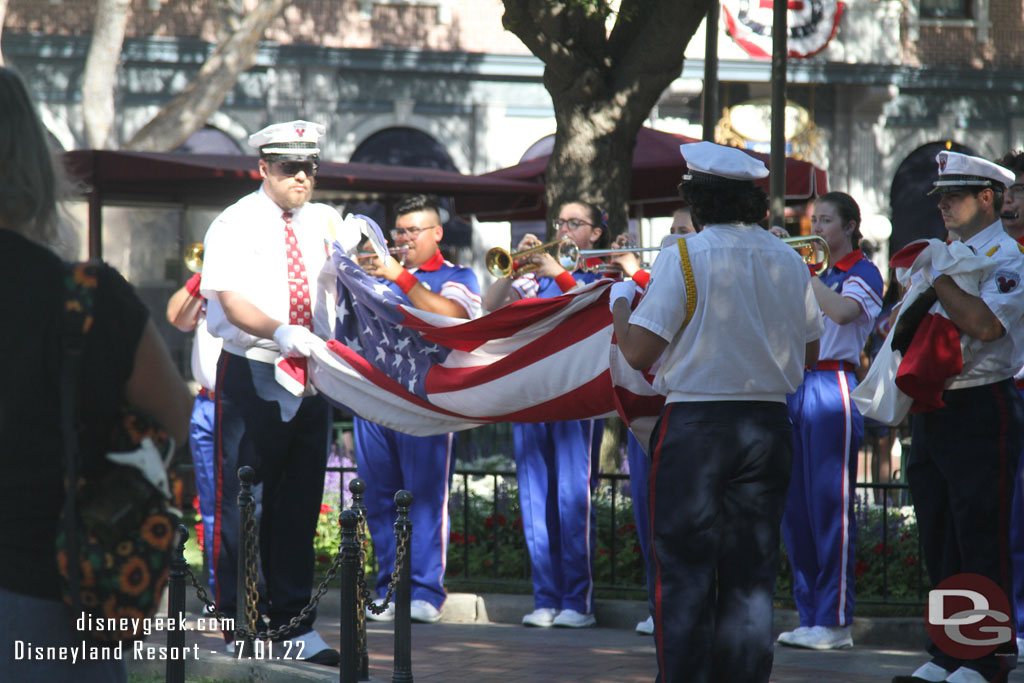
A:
(574, 329)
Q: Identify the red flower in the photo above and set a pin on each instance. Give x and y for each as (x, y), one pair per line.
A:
(629, 528)
(603, 551)
(860, 569)
(881, 548)
(471, 539)
(910, 561)
(501, 520)
(637, 549)
(489, 523)
(325, 509)
(457, 538)
(323, 558)
(517, 523)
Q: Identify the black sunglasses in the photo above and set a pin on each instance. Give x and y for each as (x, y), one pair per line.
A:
(290, 168)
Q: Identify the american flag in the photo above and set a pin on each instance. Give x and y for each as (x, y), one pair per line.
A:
(536, 360)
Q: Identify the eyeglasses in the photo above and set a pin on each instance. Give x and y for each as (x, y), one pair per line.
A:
(573, 223)
(411, 232)
(290, 168)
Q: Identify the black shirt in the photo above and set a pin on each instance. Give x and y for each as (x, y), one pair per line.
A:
(31, 449)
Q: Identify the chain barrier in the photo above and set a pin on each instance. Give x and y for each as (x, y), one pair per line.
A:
(252, 591)
(401, 548)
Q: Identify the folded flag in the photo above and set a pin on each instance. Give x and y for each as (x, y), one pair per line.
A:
(536, 360)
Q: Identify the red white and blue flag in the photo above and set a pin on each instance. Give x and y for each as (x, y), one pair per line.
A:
(535, 360)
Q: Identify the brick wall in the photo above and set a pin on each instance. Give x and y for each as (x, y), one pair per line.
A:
(948, 44)
(473, 26)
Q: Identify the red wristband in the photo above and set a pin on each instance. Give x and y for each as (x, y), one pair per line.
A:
(641, 278)
(192, 286)
(406, 281)
(565, 281)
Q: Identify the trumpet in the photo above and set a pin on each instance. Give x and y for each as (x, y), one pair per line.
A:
(194, 257)
(394, 251)
(812, 249)
(501, 263)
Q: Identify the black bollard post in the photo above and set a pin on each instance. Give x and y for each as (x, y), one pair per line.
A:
(246, 503)
(349, 587)
(357, 487)
(403, 593)
(175, 671)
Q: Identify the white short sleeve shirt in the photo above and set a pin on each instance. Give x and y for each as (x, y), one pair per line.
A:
(754, 314)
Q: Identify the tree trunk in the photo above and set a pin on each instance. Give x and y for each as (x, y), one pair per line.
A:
(101, 71)
(189, 111)
(603, 84)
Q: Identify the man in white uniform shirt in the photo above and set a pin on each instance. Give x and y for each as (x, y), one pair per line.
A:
(262, 259)
(733, 311)
(964, 454)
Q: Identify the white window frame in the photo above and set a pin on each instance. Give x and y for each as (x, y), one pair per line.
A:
(444, 7)
(980, 22)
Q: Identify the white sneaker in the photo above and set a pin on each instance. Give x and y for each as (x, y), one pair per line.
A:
(423, 612)
(786, 638)
(646, 627)
(570, 618)
(824, 638)
(1020, 649)
(965, 675)
(313, 648)
(542, 617)
(386, 615)
(928, 672)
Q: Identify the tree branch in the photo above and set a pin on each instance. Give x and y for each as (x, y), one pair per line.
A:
(190, 110)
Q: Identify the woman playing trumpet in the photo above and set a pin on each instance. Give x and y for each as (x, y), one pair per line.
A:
(556, 462)
(818, 525)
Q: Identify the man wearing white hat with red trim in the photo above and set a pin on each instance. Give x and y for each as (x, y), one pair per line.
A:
(731, 313)
(262, 257)
(963, 458)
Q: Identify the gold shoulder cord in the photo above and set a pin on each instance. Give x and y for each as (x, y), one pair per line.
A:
(689, 283)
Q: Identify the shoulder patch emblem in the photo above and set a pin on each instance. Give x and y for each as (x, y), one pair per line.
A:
(1007, 280)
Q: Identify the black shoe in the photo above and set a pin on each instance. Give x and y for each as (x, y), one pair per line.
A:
(327, 657)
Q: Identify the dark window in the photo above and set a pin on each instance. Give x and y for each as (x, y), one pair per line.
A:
(945, 9)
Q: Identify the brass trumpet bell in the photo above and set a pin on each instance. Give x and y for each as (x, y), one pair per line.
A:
(500, 263)
(194, 257)
(812, 249)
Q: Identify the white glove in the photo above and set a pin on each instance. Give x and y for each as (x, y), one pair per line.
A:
(295, 340)
(621, 290)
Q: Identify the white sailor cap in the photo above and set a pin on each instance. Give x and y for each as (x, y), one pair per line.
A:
(294, 138)
(707, 162)
(961, 171)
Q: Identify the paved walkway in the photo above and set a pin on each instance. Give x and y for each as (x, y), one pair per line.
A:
(484, 651)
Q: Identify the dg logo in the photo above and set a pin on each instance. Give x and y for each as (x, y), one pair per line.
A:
(968, 616)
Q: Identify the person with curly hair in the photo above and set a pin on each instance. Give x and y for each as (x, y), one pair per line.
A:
(731, 313)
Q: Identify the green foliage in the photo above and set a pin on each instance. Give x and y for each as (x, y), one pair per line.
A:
(887, 564)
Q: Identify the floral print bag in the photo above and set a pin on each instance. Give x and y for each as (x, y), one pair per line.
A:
(117, 529)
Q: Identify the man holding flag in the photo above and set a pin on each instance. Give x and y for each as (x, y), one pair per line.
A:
(262, 256)
(389, 460)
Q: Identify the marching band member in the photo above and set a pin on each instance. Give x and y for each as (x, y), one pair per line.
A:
(262, 256)
(557, 462)
(389, 461)
(733, 312)
(818, 526)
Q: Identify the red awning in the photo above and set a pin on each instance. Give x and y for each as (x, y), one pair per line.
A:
(219, 180)
(657, 169)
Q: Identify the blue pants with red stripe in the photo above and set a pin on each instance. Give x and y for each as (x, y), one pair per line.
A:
(290, 459)
(389, 461)
(201, 442)
(556, 467)
(963, 461)
(819, 526)
(719, 473)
